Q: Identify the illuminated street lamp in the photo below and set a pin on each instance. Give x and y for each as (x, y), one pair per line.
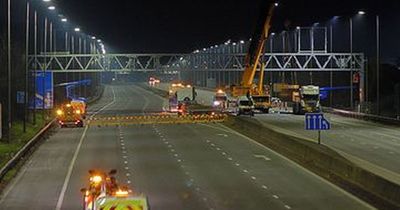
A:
(51, 7)
(361, 12)
(64, 20)
(77, 29)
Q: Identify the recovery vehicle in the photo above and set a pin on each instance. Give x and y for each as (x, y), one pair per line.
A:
(104, 193)
(68, 115)
(257, 93)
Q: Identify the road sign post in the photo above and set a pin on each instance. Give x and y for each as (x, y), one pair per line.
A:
(316, 122)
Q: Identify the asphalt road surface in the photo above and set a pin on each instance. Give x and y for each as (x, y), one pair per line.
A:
(179, 167)
(372, 145)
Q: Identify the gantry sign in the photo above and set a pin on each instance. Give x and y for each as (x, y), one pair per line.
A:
(195, 62)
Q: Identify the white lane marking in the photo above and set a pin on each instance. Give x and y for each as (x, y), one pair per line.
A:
(264, 187)
(126, 168)
(128, 174)
(69, 173)
(71, 166)
(226, 129)
(237, 164)
(288, 207)
(275, 196)
(229, 158)
(262, 157)
(253, 178)
(126, 162)
(128, 181)
(245, 171)
(218, 148)
(224, 135)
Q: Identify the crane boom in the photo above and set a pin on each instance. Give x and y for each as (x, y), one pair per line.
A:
(254, 55)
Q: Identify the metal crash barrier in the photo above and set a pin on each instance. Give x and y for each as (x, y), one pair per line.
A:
(156, 119)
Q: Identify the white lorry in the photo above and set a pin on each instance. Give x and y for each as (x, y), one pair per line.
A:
(307, 100)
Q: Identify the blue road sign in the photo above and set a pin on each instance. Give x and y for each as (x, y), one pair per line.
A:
(44, 90)
(316, 122)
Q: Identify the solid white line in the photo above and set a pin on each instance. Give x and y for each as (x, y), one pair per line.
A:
(71, 166)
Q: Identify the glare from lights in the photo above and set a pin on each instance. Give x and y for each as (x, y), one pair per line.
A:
(241, 42)
(99, 40)
(276, 4)
(46, 0)
(51, 7)
(298, 27)
(361, 12)
(64, 20)
(77, 29)
(272, 34)
(93, 37)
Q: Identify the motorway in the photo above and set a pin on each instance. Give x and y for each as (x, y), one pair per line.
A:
(373, 146)
(196, 166)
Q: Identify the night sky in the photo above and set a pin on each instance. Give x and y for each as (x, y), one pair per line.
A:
(182, 26)
(135, 26)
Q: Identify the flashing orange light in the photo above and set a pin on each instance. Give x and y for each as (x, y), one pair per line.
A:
(60, 112)
(96, 179)
(121, 193)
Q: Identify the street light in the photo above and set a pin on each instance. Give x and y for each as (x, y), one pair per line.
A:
(77, 29)
(47, 0)
(64, 19)
(51, 7)
(361, 12)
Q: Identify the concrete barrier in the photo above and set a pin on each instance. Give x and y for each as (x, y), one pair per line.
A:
(323, 161)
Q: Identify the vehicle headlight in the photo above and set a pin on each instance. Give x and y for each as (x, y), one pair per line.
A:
(78, 111)
(217, 103)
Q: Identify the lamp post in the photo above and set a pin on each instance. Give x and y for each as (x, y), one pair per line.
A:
(378, 64)
(26, 66)
(9, 67)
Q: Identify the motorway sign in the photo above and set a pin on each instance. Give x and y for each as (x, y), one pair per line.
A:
(316, 121)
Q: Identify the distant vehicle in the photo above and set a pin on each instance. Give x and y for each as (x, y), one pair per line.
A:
(67, 115)
(79, 105)
(153, 81)
(245, 106)
(307, 100)
(181, 94)
(104, 193)
(262, 103)
(220, 100)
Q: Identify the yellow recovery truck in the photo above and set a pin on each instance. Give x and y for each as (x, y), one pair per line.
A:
(104, 193)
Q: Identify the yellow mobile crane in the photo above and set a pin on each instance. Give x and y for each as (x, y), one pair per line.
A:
(256, 93)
